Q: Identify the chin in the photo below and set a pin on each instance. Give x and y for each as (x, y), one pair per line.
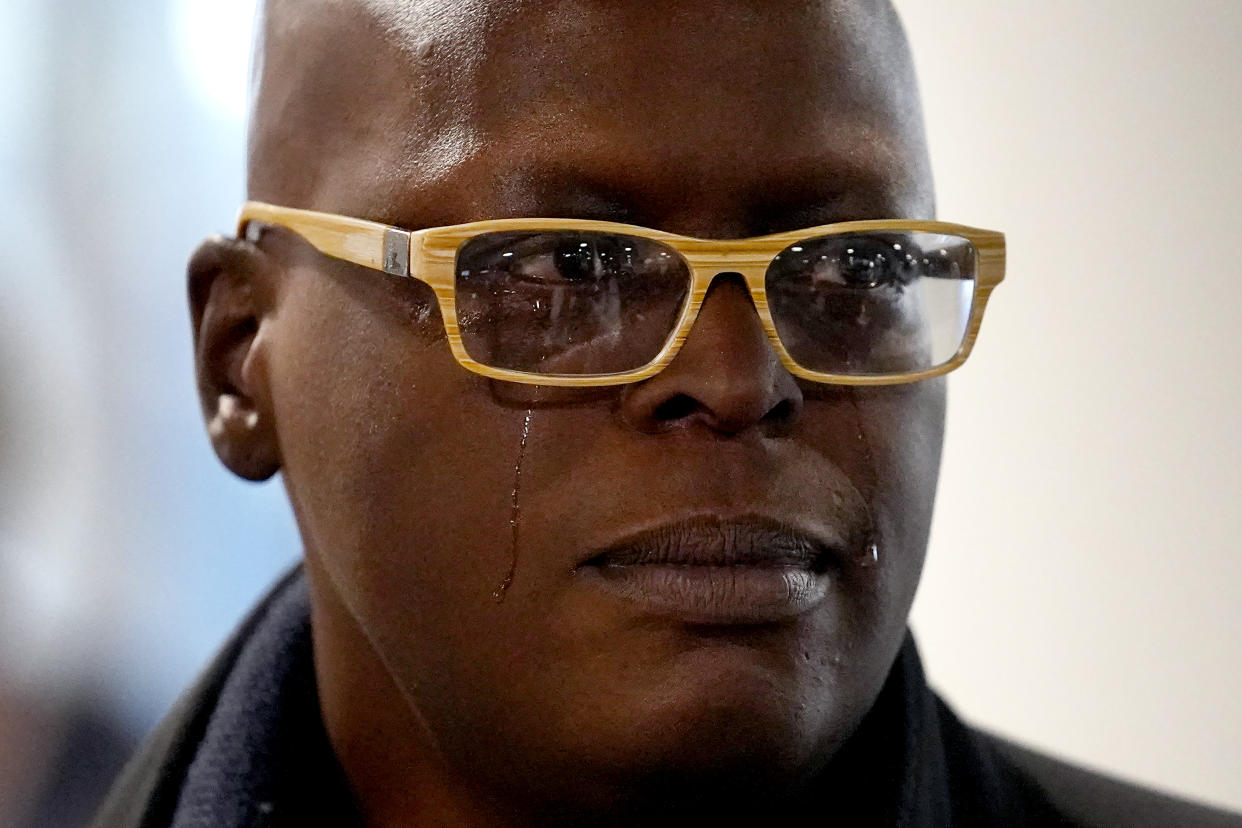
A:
(728, 737)
(705, 776)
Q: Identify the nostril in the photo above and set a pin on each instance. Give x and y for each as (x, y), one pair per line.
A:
(782, 412)
(676, 407)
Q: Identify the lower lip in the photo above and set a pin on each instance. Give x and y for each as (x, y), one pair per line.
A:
(715, 594)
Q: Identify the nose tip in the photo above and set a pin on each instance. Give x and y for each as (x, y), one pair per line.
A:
(726, 378)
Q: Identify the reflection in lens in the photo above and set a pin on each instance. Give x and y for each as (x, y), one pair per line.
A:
(568, 302)
(874, 302)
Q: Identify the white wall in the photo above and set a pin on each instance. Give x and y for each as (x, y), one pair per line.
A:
(1084, 584)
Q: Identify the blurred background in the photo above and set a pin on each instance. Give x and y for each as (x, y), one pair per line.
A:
(1084, 584)
(126, 552)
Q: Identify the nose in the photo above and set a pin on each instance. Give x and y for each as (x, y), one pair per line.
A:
(726, 377)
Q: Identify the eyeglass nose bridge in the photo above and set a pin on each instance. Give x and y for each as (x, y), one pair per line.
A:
(752, 270)
(713, 260)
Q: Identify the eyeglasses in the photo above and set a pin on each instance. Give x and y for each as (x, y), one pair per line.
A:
(571, 302)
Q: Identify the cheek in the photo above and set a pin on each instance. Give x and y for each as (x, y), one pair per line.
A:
(902, 430)
(402, 495)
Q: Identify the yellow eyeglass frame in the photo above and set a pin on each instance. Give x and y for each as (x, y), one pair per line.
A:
(430, 256)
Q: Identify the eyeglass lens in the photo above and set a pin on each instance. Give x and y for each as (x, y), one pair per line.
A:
(873, 303)
(573, 302)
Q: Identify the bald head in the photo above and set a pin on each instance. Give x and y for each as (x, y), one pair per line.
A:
(381, 107)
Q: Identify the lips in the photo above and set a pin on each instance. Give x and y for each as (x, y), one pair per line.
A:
(716, 542)
(712, 570)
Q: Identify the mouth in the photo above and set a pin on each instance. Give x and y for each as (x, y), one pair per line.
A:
(719, 571)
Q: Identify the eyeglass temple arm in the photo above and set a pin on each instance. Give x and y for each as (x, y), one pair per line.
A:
(365, 243)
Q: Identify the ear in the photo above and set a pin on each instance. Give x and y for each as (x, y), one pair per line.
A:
(229, 288)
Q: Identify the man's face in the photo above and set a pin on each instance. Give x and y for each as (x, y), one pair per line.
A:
(419, 486)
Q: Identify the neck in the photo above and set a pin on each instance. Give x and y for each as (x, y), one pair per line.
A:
(396, 773)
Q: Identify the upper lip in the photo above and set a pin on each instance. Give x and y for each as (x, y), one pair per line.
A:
(713, 540)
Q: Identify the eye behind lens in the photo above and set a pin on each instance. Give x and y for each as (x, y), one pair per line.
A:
(874, 302)
(568, 301)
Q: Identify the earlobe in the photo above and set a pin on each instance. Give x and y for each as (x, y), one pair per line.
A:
(241, 438)
(227, 295)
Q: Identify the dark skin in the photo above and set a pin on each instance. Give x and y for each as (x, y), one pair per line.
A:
(444, 705)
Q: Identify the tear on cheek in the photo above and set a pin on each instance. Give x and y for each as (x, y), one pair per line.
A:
(515, 509)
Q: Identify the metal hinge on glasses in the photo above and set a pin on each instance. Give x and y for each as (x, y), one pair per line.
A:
(397, 252)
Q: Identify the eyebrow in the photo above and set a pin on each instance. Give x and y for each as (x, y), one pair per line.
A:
(565, 191)
(825, 191)
(811, 210)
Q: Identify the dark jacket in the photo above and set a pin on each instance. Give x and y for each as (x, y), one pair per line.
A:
(246, 746)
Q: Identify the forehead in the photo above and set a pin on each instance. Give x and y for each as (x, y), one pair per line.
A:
(636, 110)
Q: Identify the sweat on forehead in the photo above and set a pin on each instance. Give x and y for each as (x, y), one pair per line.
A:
(360, 103)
